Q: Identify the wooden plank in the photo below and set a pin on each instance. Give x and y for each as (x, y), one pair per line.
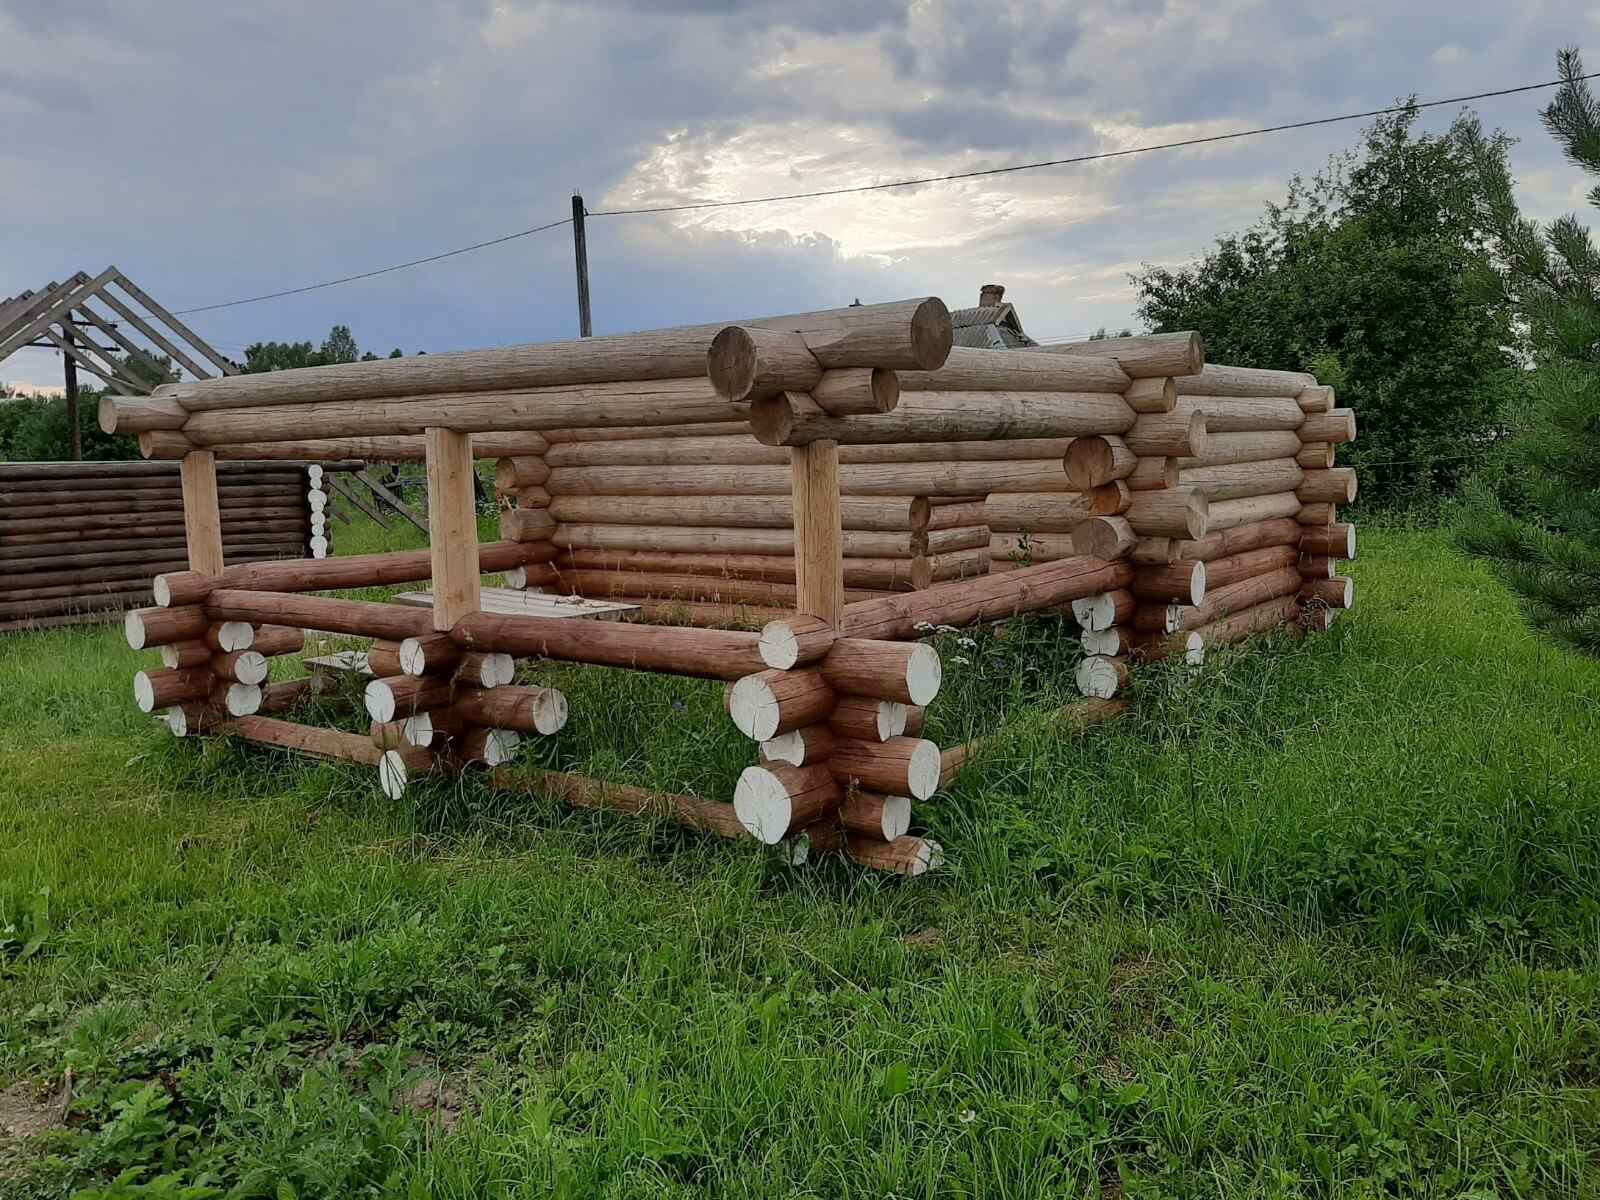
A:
(119, 377)
(171, 322)
(127, 344)
(349, 493)
(394, 501)
(452, 526)
(513, 603)
(41, 310)
(818, 534)
(155, 335)
(202, 514)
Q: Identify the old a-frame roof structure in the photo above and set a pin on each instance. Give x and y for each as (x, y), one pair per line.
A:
(70, 316)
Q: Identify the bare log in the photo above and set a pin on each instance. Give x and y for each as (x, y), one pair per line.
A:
(868, 719)
(968, 369)
(1144, 356)
(773, 801)
(901, 766)
(771, 702)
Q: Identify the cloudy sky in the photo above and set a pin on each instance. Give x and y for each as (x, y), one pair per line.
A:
(215, 150)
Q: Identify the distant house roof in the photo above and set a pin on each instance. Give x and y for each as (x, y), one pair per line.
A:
(990, 326)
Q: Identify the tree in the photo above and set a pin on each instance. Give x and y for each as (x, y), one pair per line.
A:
(340, 346)
(1369, 275)
(1537, 516)
(35, 429)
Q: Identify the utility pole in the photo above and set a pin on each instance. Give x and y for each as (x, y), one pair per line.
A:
(69, 369)
(580, 251)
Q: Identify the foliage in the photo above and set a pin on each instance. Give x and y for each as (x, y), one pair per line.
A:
(1320, 921)
(35, 429)
(338, 347)
(1369, 274)
(1538, 518)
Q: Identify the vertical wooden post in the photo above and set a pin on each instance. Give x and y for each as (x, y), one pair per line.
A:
(452, 526)
(580, 252)
(818, 536)
(202, 514)
(69, 370)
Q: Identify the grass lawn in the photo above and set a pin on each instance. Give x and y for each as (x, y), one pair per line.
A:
(1323, 919)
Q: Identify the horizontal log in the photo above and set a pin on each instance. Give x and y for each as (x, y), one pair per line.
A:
(993, 598)
(659, 585)
(1230, 514)
(712, 540)
(1091, 461)
(170, 445)
(1317, 566)
(1146, 355)
(1240, 481)
(150, 627)
(707, 653)
(888, 513)
(1336, 486)
(1336, 427)
(909, 856)
(1180, 432)
(856, 390)
(1338, 592)
(490, 747)
(1101, 678)
(1218, 380)
(534, 525)
(792, 640)
(1315, 398)
(1317, 515)
(18, 475)
(1236, 597)
(540, 710)
(624, 433)
(240, 666)
(1246, 564)
(901, 766)
(893, 479)
(743, 450)
(360, 618)
(1104, 537)
(1336, 541)
(969, 369)
(694, 812)
(1315, 456)
(1253, 535)
(69, 507)
(1232, 414)
(908, 672)
(1153, 473)
(29, 580)
(868, 718)
(1050, 512)
(772, 801)
(771, 702)
(883, 818)
(399, 696)
(331, 574)
(161, 689)
(98, 522)
(1223, 449)
(482, 670)
(702, 614)
(1152, 395)
(1179, 583)
(947, 417)
(1106, 610)
(1259, 619)
(1008, 551)
(799, 747)
(1175, 512)
(749, 363)
(520, 471)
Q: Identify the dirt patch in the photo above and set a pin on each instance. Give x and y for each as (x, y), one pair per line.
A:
(924, 938)
(434, 1099)
(23, 1114)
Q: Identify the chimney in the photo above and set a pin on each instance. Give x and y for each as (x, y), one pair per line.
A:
(991, 295)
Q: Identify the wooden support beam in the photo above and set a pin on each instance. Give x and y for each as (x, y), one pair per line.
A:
(452, 527)
(202, 513)
(818, 532)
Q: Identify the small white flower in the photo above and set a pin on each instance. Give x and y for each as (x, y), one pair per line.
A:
(968, 1116)
(966, 643)
(965, 662)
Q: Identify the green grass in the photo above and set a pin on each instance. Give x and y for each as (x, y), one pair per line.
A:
(1321, 921)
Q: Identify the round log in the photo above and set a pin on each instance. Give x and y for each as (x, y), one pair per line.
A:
(403, 695)
(1175, 512)
(1092, 461)
(491, 747)
(1336, 486)
(799, 747)
(538, 710)
(868, 719)
(1335, 541)
(236, 699)
(910, 673)
(162, 689)
(158, 626)
(910, 856)
(1104, 537)
(241, 666)
(1225, 449)
(1220, 572)
(1180, 433)
(1152, 394)
(773, 801)
(1242, 480)
(1315, 398)
(1104, 611)
(485, 670)
(427, 654)
(792, 641)
(856, 391)
(968, 369)
(1153, 473)
(1336, 426)
(1146, 355)
(1102, 677)
(875, 816)
(1338, 592)
(1180, 583)
(1275, 531)
(901, 766)
(946, 417)
(1236, 382)
(523, 471)
(1317, 515)
(772, 702)
(1315, 456)
(1230, 514)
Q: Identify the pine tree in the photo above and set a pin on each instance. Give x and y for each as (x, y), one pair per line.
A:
(1538, 521)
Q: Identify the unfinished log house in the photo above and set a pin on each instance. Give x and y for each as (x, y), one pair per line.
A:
(839, 479)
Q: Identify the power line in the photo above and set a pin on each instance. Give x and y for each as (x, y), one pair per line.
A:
(416, 262)
(899, 183)
(1085, 158)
